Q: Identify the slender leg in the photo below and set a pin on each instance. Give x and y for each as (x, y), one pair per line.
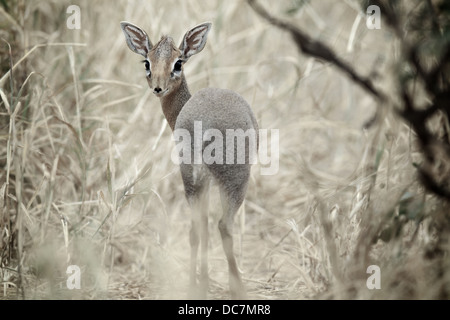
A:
(194, 241)
(199, 237)
(204, 237)
(241, 215)
(237, 289)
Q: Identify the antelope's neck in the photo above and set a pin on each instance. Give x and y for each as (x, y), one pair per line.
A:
(174, 102)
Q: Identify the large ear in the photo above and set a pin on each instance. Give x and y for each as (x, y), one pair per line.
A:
(137, 39)
(194, 40)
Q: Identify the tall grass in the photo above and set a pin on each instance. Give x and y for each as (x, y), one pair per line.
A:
(86, 177)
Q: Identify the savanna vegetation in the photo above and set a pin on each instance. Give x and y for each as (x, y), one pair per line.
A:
(87, 179)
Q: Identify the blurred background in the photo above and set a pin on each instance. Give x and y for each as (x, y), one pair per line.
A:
(86, 176)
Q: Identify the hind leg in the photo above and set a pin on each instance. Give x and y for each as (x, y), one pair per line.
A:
(204, 240)
(230, 208)
(197, 194)
(194, 237)
(199, 239)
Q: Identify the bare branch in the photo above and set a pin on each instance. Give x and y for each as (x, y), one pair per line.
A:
(318, 49)
(434, 80)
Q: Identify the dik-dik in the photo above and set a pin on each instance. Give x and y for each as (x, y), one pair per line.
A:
(215, 109)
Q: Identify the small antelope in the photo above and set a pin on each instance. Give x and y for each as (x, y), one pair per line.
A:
(215, 109)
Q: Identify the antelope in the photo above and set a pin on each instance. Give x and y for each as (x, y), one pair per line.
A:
(216, 109)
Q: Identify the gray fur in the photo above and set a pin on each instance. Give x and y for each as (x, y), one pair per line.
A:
(216, 109)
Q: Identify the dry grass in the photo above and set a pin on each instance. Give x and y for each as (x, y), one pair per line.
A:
(86, 176)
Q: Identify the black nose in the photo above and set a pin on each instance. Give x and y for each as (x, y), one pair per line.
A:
(157, 90)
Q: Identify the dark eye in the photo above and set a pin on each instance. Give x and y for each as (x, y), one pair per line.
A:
(177, 66)
(147, 67)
